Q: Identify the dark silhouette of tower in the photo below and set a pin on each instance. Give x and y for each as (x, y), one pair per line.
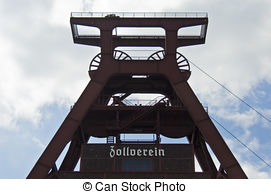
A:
(102, 109)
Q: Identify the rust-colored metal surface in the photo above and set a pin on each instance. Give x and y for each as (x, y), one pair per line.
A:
(99, 112)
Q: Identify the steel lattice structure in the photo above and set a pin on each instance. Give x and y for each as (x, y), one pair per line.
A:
(100, 113)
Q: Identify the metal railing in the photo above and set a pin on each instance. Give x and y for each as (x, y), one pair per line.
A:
(143, 102)
(141, 14)
(140, 54)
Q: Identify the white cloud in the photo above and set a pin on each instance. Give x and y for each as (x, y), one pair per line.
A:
(267, 113)
(235, 47)
(88, 5)
(61, 10)
(244, 119)
(254, 171)
(254, 144)
(136, 6)
(38, 62)
(38, 142)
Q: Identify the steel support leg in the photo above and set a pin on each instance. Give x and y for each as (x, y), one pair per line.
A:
(66, 131)
(208, 130)
(203, 156)
(73, 154)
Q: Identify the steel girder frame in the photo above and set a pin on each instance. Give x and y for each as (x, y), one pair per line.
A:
(109, 67)
(184, 92)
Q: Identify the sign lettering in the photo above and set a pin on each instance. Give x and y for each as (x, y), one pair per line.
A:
(127, 151)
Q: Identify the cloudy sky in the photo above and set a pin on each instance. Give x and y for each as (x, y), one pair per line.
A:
(43, 73)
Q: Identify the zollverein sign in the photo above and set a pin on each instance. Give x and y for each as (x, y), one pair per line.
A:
(127, 151)
(133, 157)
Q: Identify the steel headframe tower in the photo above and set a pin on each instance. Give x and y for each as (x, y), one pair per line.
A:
(179, 114)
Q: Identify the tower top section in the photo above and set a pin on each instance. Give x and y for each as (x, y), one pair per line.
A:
(110, 21)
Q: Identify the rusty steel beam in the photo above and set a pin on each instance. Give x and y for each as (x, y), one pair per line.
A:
(73, 154)
(209, 131)
(202, 154)
(150, 41)
(66, 131)
(110, 23)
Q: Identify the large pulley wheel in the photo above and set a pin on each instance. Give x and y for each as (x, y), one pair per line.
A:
(118, 55)
(182, 62)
